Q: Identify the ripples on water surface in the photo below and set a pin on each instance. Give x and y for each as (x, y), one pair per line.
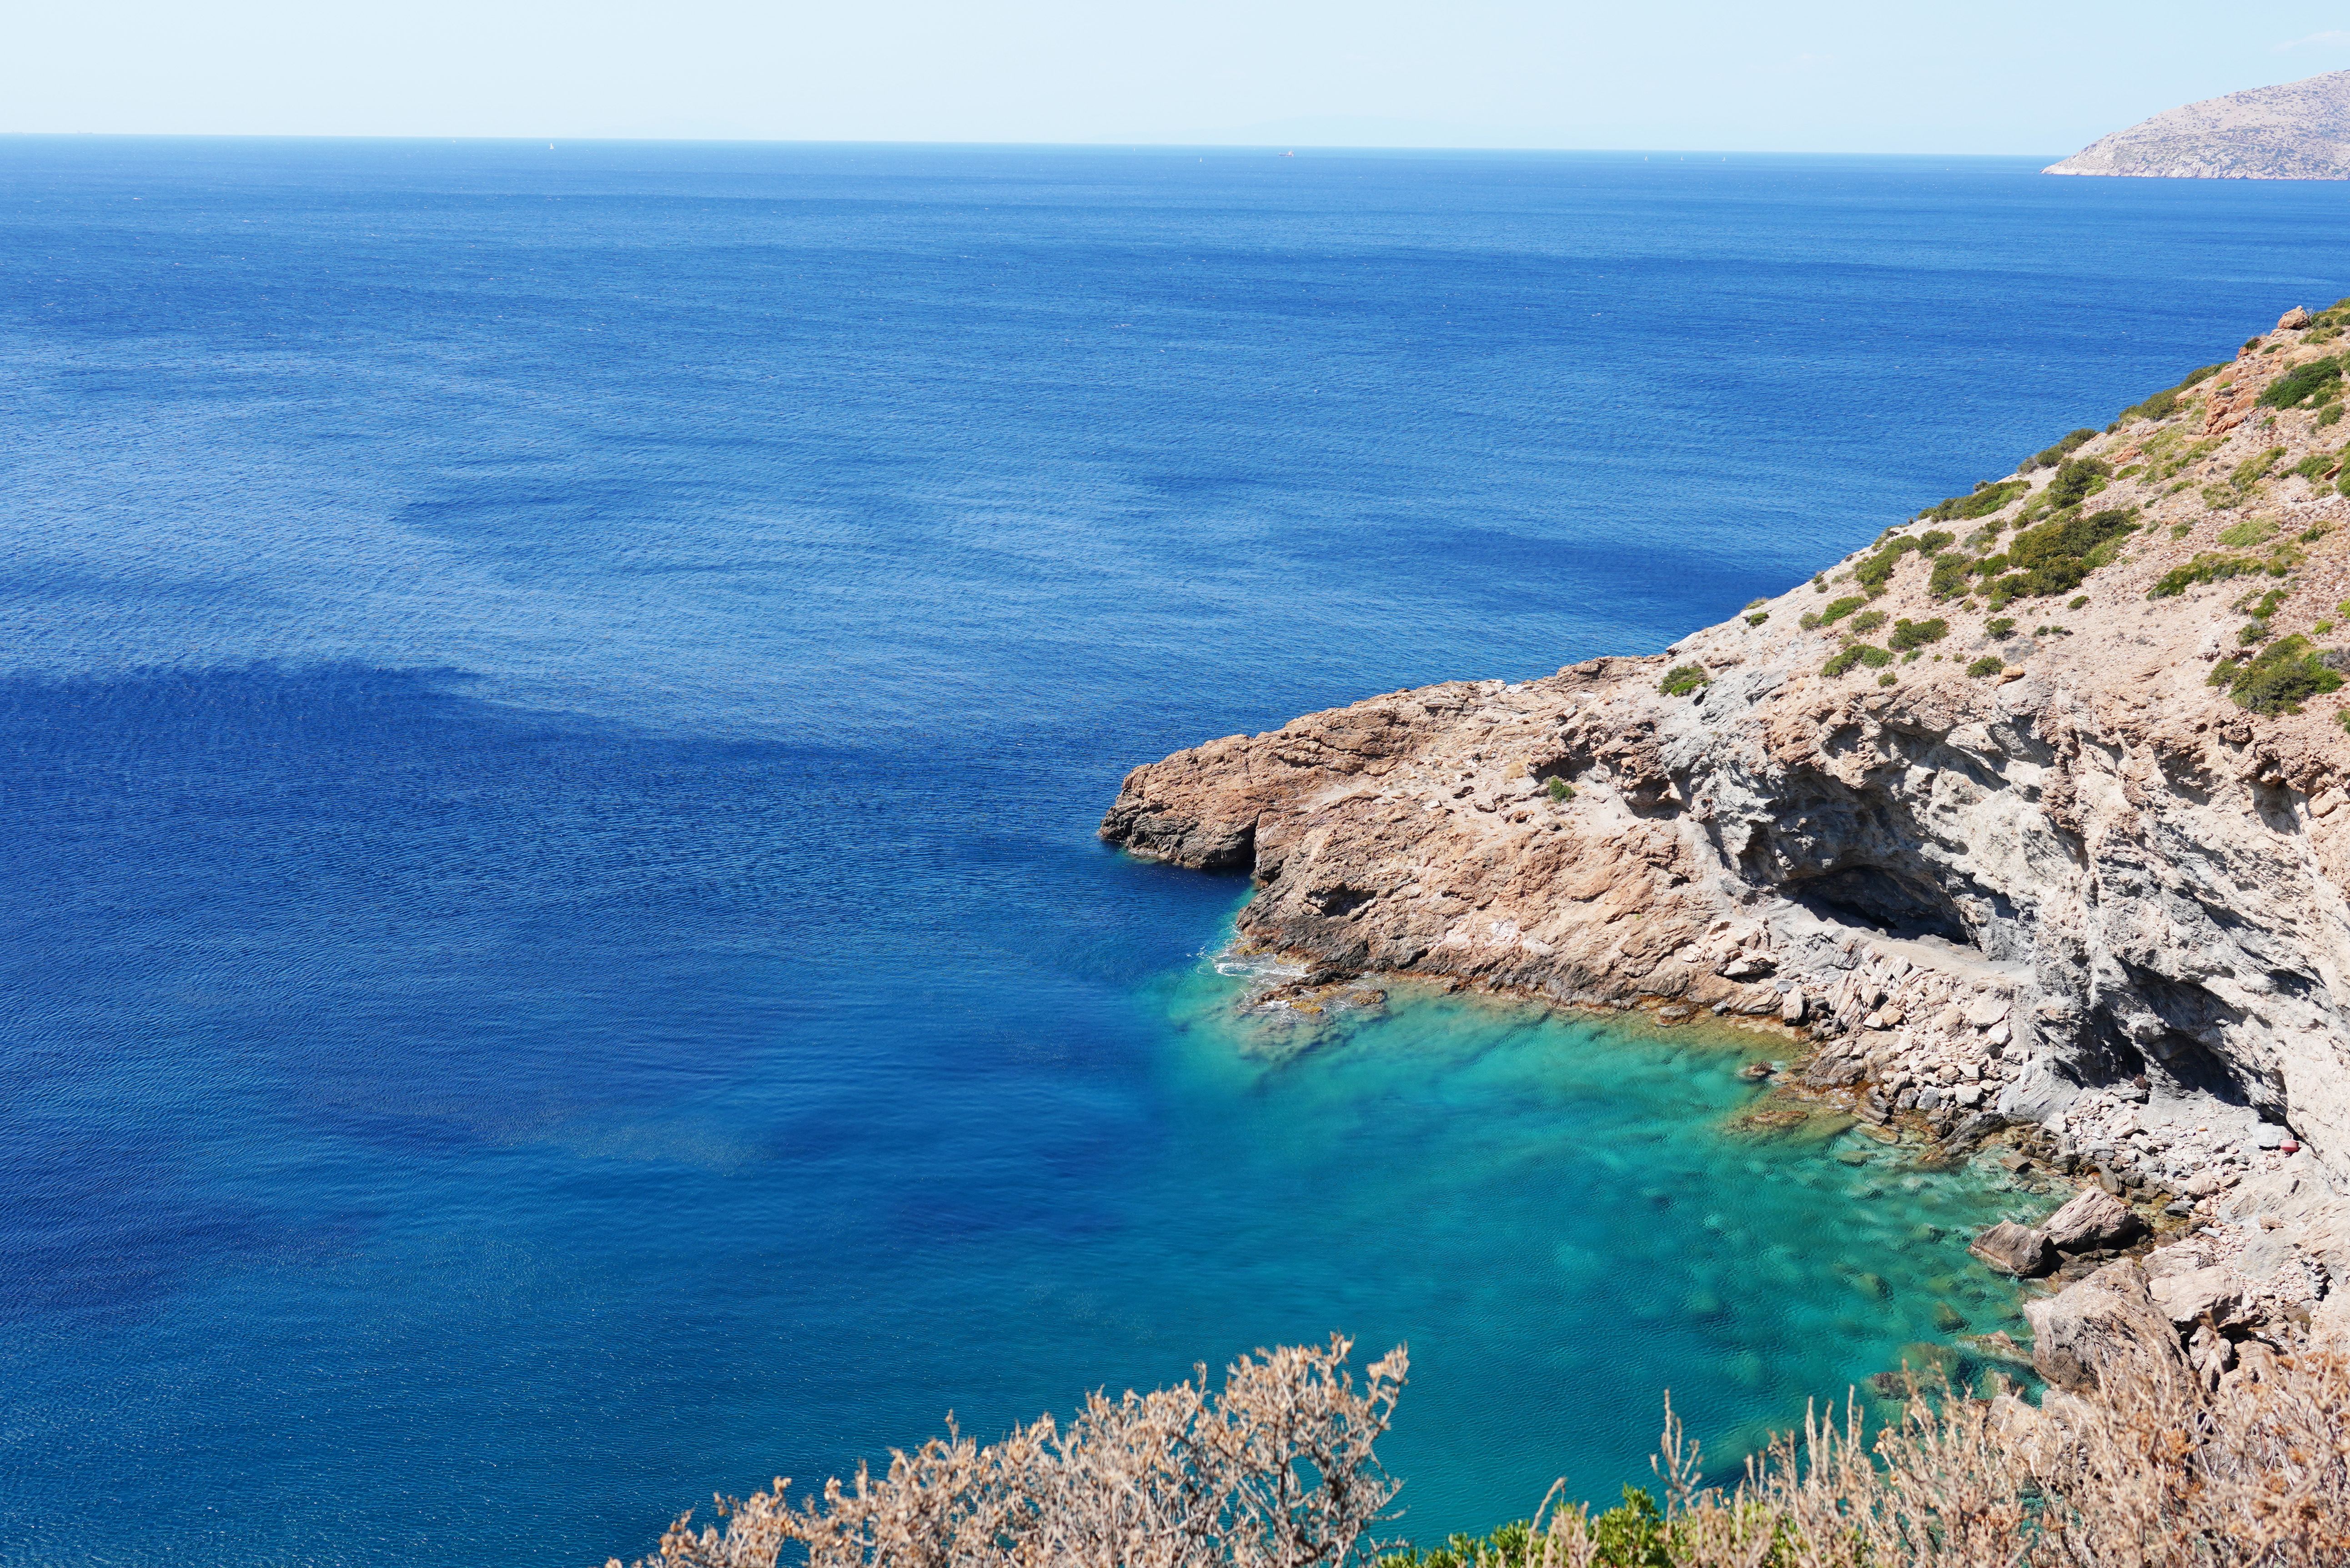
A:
(556, 704)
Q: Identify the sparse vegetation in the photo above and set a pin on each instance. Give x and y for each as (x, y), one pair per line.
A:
(2331, 414)
(2242, 484)
(2078, 479)
(2001, 629)
(2251, 531)
(1758, 618)
(2303, 385)
(1854, 654)
(1558, 789)
(1683, 678)
(1839, 609)
(2317, 466)
(1866, 622)
(2279, 678)
(2053, 455)
(2210, 568)
(1984, 499)
(1915, 634)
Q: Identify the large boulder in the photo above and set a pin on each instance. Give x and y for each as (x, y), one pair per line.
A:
(2105, 1326)
(2094, 1219)
(2012, 1248)
(2190, 1296)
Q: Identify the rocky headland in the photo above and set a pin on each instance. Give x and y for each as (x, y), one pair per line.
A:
(2295, 130)
(2021, 829)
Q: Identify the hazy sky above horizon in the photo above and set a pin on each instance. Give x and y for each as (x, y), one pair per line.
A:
(1997, 77)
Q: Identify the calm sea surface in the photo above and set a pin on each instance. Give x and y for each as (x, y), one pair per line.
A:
(554, 709)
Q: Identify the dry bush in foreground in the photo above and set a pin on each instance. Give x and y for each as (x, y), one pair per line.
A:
(2153, 1472)
(1275, 1469)
(2161, 1469)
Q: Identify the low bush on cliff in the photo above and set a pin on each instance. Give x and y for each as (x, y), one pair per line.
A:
(2212, 568)
(1866, 622)
(2277, 680)
(1989, 664)
(1279, 1470)
(1683, 678)
(1984, 499)
(1909, 634)
(1839, 609)
(2303, 385)
(1858, 653)
(2076, 482)
(2052, 456)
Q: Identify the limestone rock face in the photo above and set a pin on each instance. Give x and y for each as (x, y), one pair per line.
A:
(2295, 131)
(2103, 897)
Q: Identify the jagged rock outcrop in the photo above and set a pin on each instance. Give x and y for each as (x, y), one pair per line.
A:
(2295, 130)
(2013, 858)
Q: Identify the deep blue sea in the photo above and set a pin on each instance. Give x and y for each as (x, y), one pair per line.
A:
(555, 706)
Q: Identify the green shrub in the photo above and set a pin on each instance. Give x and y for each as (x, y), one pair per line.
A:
(1631, 1535)
(2284, 674)
(1855, 653)
(2052, 559)
(1989, 664)
(2315, 382)
(2251, 531)
(2331, 414)
(2168, 453)
(1866, 622)
(1839, 609)
(1983, 500)
(1758, 618)
(1949, 578)
(1887, 678)
(2063, 449)
(1683, 678)
(1819, 582)
(1934, 541)
(2312, 467)
(2078, 602)
(1559, 789)
(1909, 634)
(2078, 479)
(2314, 533)
(2180, 530)
(2197, 377)
(2158, 406)
(2001, 629)
(1809, 620)
(2206, 567)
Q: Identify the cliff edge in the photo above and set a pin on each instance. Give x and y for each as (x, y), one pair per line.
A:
(2029, 816)
(2295, 130)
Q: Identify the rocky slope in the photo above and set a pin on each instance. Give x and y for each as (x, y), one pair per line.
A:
(2295, 130)
(1966, 815)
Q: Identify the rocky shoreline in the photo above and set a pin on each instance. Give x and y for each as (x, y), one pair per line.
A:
(2069, 897)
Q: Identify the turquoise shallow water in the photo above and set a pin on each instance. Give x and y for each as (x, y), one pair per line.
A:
(553, 709)
(1571, 1208)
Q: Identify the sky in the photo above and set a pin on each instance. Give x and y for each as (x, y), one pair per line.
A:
(1989, 77)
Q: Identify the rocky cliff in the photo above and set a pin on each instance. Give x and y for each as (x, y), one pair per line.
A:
(2295, 130)
(2025, 821)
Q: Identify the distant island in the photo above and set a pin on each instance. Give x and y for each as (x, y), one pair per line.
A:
(2295, 131)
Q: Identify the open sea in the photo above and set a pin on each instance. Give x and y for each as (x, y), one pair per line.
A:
(553, 702)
